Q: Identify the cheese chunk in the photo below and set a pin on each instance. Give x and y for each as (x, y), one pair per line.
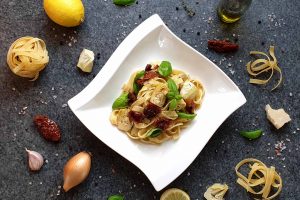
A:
(277, 117)
(216, 192)
(86, 59)
(188, 90)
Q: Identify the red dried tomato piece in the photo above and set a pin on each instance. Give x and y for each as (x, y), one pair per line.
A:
(162, 123)
(47, 128)
(148, 75)
(148, 67)
(136, 116)
(190, 106)
(151, 110)
(131, 97)
(222, 46)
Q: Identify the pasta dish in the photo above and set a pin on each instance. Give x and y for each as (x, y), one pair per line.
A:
(156, 103)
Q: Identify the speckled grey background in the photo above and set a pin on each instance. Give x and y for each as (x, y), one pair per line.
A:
(267, 22)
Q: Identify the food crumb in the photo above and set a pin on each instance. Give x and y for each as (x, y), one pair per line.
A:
(291, 94)
(46, 161)
(13, 89)
(64, 105)
(188, 174)
(41, 183)
(30, 183)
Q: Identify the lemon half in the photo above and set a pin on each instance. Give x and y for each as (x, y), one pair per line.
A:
(174, 194)
(66, 13)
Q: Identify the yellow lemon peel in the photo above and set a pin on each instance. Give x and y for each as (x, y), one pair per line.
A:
(261, 65)
(259, 176)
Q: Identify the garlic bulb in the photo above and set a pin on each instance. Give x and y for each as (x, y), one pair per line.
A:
(35, 160)
(76, 170)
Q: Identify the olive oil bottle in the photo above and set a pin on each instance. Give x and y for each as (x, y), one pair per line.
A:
(231, 11)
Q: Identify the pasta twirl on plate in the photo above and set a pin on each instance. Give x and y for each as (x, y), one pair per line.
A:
(156, 103)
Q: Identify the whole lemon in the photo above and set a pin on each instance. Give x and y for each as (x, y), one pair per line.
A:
(66, 13)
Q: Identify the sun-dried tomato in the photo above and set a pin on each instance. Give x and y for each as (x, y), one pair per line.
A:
(222, 46)
(162, 123)
(47, 128)
(190, 106)
(136, 116)
(148, 67)
(131, 98)
(151, 110)
(148, 75)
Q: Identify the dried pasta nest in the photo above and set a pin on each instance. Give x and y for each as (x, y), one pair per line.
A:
(27, 56)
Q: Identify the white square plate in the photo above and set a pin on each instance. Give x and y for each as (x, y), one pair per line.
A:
(152, 41)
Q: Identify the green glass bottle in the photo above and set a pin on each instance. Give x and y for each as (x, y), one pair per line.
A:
(231, 11)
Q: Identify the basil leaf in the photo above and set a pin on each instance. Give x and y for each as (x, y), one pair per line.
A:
(173, 104)
(123, 2)
(121, 101)
(139, 75)
(165, 68)
(116, 197)
(173, 91)
(136, 87)
(186, 115)
(170, 95)
(251, 134)
(153, 132)
(178, 97)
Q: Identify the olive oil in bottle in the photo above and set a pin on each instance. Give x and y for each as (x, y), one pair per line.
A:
(231, 11)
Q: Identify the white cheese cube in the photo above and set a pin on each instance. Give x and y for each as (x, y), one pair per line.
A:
(277, 117)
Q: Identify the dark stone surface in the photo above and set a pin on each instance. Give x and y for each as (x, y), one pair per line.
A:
(266, 23)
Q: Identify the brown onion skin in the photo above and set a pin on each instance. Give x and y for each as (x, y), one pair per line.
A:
(76, 170)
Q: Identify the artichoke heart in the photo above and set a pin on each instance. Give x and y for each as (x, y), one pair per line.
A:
(216, 192)
(123, 121)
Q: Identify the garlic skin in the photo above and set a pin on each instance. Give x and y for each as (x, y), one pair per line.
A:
(35, 160)
(76, 170)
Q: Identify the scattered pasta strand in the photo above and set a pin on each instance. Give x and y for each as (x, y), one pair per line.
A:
(27, 56)
(260, 66)
(259, 175)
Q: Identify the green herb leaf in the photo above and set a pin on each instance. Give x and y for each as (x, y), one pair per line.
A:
(251, 134)
(153, 132)
(173, 91)
(139, 75)
(121, 101)
(186, 115)
(178, 97)
(173, 104)
(123, 2)
(136, 87)
(165, 68)
(116, 197)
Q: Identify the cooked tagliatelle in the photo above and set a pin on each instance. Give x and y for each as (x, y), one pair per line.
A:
(260, 66)
(27, 56)
(156, 103)
(261, 180)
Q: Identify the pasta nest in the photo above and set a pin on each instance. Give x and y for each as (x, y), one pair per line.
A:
(27, 56)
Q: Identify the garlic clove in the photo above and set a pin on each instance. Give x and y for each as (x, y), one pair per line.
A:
(76, 170)
(35, 160)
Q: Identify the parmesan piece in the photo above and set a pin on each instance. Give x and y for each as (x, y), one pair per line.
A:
(277, 117)
(188, 90)
(86, 59)
(216, 192)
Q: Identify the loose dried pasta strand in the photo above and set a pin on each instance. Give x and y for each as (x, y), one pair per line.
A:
(269, 178)
(260, 66)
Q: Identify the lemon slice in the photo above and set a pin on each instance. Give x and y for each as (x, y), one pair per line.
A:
(174, 194)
